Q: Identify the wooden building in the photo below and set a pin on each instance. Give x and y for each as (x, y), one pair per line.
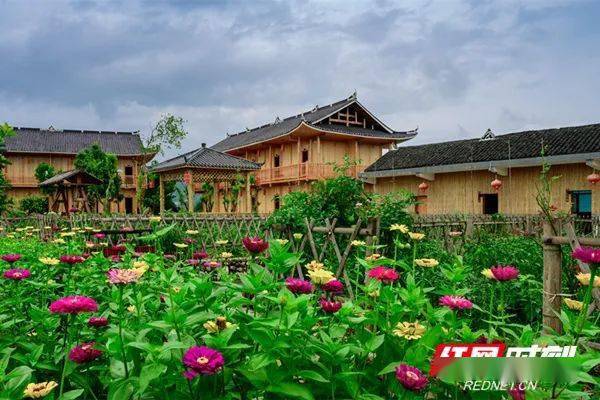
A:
(300, 149)
(496, 174)
(32, 146)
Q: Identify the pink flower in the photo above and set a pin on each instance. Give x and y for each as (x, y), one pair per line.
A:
(193, 262)
(333, 286)
(115, 258)
(505, 272)
(84, 353)
(587, 255)
(11, 258)
(98, 322)
(119, 248)
(255, 245)
(517, 393)
(383, 274)
(411, 377)
(170, 257)
(202, 360)
(99, 236)
(211, 264)
(71, 259)
(73, 210)
(456, 302)
(189, 241)
(200, 255)
(118, 276)
(17, 274)
(73, 305)
(330, 306)
(296, 285)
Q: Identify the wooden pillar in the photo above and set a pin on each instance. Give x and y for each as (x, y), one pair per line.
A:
(248, 199)
(552, 283)
(190, 192)
(161, 194)
(216, 197)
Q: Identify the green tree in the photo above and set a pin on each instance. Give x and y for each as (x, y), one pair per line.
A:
(104, 167)
(5, 131)
(34, 204)
(43, 172)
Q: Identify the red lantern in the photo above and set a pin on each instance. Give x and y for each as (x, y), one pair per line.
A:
(593, 178)
(423, 186)
(187, 177)
(496, 184)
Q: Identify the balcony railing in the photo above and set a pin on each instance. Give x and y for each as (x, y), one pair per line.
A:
(304, 171)
(128, 180)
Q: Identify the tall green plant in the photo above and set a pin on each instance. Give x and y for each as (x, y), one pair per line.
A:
(5, 131)
(104, 167)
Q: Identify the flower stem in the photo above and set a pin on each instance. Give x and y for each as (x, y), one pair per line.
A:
(66, 349)
(586, 303)
(121, 331)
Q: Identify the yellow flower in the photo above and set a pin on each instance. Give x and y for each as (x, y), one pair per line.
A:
(211, 326)
(19, 229)
(51, 282)
(320, 276)
(358, 243)
(282, 241)
(59, 241)
(427, 262)
(409, 330)
(176, 289)
(10, 235)
(66, 234)
(90, 245)
(226, 255)
(131, 308)
(180, 245)
(584, 279)
(573, 304)
(49, 261)
(218, 325)
(140, 265)
(374, 293)
(88, 228)
(47, 227)
(399, 227)
(488, 273)
(191, 232)
(221, 242)
(297, 236)
(29, 227)
(416, 235)
(155, 218)
(373, 257)
(39, 390)
(313, 265)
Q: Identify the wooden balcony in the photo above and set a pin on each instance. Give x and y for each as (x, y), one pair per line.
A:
(128, 181)
(300, 172)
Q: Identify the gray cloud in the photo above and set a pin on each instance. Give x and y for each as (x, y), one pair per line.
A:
(453, 68)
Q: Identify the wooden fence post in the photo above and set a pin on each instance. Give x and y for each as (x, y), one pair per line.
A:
(552, 282)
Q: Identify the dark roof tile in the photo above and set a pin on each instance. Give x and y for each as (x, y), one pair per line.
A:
(207, 158)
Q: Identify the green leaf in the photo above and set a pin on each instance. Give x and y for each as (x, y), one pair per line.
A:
(313, 375)
(389, 368)
(71, 394)
(293, 390)
(149, 373)
(373, 343)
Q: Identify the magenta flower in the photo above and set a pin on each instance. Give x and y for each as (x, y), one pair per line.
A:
(330, 306)
(170, 257)
(505, 272)
(296, 285)
(211, 265)
(255, 245)
(118, 276)
(99, 236)
(193, 262)
(98, 322)
(115, 258)
(202, 360)
(456, 302)
(73, 210)
(587, 255)
(84, 353)
(17, 274)
(189, 241)
(73, 305)
(383, 274)
(517, 393)
(200, 255)
(333, 286)
(71, 259)
(11, 258)
(411, 377)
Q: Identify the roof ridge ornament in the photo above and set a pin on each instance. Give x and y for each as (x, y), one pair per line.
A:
(51, 128)
(353, 96)
(277, 120)
(488, 135)
(315, 108)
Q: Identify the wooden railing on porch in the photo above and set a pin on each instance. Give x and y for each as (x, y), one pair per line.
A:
(303, 171)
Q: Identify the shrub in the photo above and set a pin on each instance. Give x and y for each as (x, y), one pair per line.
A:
(34, 205)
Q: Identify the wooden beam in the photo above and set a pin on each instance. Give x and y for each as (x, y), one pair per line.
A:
(499, 171)
(427, 177)
(161, 194)
(248, 199)
(190, 192)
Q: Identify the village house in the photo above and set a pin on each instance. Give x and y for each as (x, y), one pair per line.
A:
(31, 146)
(496, 173)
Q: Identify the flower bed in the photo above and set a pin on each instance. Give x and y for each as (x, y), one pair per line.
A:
(206, 324)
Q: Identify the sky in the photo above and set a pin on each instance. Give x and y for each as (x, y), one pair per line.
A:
(451, 68)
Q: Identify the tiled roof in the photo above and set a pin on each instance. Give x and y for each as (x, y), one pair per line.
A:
(34, 140)
(312, 117)
(69, 176)
(511, 146)
(207, 158)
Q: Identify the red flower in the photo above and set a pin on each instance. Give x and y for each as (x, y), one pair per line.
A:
(17, 274)
(333, 286)
(193, 262)
(505, 272)
(296, 285)
(200, 255)
(84, 353)
(98, 322)
(73, 305)
(517, 393)
(383, 274)
(71, 259)
(330, 306)
(255, 245)
(411, 377)
(11, 258)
